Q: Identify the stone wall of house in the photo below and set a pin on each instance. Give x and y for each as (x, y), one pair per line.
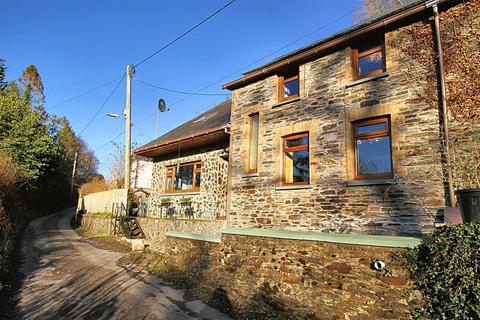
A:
(268, 278)
(211, 200)
(329, 103)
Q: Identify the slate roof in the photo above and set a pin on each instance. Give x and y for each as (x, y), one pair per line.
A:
(407, 4)
(216, 118)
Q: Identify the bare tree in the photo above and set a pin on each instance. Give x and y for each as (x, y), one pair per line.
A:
(116, 177)
(372, 8)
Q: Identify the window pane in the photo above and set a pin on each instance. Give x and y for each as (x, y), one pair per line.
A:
(184, 177)
(373, 156)
(296, 142)
(290, 88)
(297, 166)
(253, 152)
(197, 179)
(372, 128)
(169, 183)
(370, 63)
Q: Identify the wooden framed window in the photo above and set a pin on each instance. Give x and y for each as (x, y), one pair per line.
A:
(296, 159)
(373, 150)
(368, 59)
(288, 85)
(253, 143)
(184, 177)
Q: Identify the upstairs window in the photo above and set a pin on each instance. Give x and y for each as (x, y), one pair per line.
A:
(253, 147)
(288, 85)
(183, 177)
(296, 159)
(368, 59)
(373, 152)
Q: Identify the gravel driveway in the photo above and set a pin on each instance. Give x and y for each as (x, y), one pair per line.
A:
(67, 278)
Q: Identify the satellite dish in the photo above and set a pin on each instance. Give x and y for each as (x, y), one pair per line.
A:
(162, 106)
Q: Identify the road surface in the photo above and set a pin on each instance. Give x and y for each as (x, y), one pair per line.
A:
(67, 278)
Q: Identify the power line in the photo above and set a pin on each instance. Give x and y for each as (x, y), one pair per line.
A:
(101, 107)
(141, 62)
(258, 60)
(181, 92)
(184, 34)
(150, 56)
(81, 95)
(242, 68)
(111, 140)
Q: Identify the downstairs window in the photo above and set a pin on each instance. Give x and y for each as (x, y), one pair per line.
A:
(373, 151)
(183, 177)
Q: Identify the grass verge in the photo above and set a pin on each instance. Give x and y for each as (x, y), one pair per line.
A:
(102, 240)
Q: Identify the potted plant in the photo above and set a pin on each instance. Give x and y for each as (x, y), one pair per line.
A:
(185, 200)
(465, 168)
(165, 202)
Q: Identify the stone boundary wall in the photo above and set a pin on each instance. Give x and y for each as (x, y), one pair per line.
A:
(156, 228)
(102, 201)
(252, 276)
(255, 277)
(95, 223)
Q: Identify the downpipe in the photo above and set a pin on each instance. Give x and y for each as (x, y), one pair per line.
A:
(451, 194)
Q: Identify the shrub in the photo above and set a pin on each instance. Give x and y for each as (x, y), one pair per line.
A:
(8, 176)
(97, 184)
(446, 271)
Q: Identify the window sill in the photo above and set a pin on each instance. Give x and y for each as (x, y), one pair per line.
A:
(363, 80)
(294, 187)
(276, 105)
(178, 194)
(249, 175)
(372, 182)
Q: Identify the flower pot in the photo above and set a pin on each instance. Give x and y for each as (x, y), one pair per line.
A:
(469, 203)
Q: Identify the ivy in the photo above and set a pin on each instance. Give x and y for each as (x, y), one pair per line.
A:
(446, 270)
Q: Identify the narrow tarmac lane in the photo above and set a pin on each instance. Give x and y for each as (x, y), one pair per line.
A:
(67, 278)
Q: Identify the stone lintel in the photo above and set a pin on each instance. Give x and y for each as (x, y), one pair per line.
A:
(355, 239)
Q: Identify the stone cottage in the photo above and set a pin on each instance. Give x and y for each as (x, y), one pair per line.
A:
(337, 136)
(190, 167)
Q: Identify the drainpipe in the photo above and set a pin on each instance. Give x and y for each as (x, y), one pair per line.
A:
(433, 4)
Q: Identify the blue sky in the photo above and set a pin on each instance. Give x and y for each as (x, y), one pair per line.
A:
(78, 45)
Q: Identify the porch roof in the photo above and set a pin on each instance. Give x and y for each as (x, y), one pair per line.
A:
(207, 128)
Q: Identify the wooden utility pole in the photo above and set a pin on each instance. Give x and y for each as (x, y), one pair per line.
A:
(73, 174)
(128, 125)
